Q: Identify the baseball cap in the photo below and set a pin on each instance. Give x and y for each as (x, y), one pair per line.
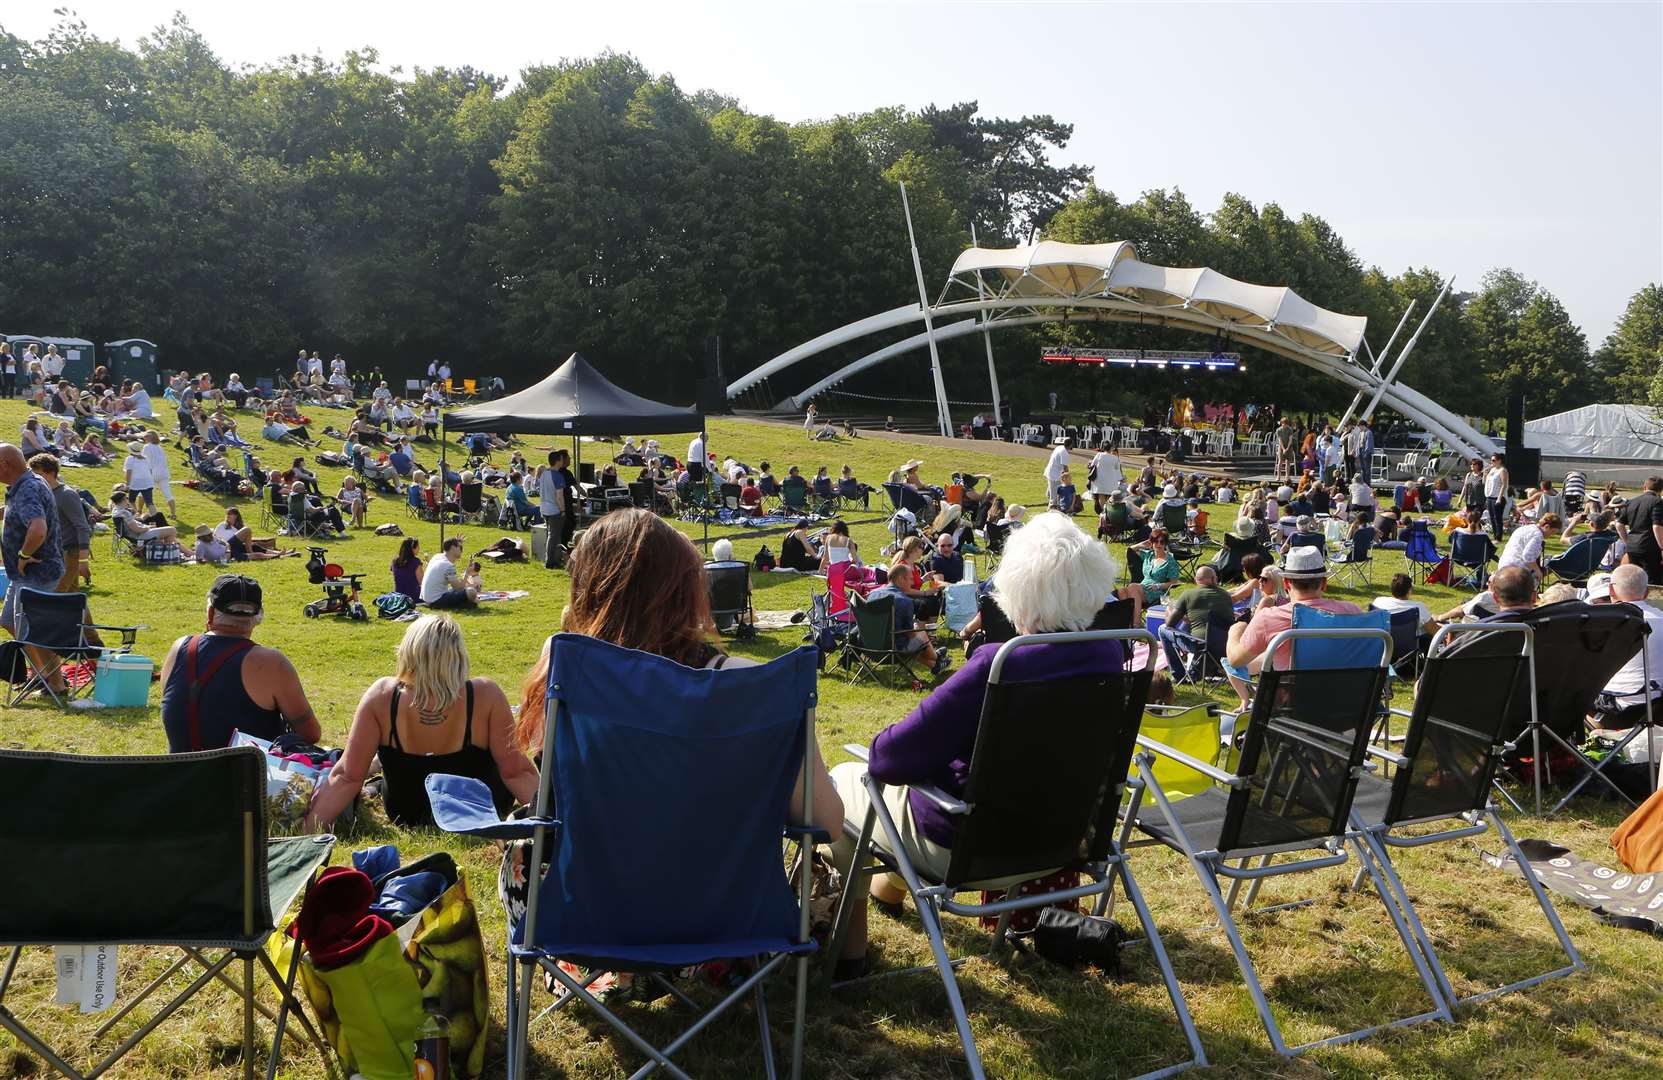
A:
(1599, 587)
(235, 594)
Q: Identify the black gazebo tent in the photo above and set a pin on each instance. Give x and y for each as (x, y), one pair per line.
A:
(574, 400)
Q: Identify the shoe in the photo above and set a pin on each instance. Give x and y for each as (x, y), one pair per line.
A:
(851, 967)
(893, 908)
(941, 662)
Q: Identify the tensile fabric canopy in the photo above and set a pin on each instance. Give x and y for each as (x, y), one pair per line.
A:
(575, 400)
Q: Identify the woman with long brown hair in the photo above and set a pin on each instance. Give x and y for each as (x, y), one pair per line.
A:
(639, 583)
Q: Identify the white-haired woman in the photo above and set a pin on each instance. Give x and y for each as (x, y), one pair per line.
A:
(1053, 577)
(429, 718)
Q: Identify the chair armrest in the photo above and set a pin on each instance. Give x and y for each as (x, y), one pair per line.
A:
(941, 799)
(807, 832)
(1405, 713)
(1386, 755)
(124, 629)
(857, 751)
(463, 805)
(1206, 768)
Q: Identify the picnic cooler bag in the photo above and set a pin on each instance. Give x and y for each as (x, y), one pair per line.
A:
(370, 1007)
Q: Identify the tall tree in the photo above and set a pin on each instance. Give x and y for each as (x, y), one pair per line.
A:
(1632, 356)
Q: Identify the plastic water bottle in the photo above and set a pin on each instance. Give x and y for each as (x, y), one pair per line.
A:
(433, 1043)
(969, 569)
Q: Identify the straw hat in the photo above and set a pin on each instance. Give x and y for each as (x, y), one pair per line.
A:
(911, 465)
(1304, 563)
(1244, 529)
(135, 448)
(203, 532)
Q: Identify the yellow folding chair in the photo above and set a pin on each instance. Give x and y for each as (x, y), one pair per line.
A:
(1192, 729)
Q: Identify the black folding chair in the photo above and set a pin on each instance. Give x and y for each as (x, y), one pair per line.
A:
(1472, 552)
(1203, 656)
(1576, 648)
(1406, 655)
(730, 598)
(171, 852)
(1228, 560)
(1043, 794)
(1292, 791)
(1355, 563)
(470, 502)
(1451, 752)
(874, 642)
(57, 624)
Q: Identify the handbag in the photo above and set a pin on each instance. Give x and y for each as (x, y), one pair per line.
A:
(1074, 940)
(369, 1009)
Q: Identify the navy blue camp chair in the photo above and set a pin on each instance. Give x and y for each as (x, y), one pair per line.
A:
(1579, 561)
(1420, 547)
(1472, 552)
(710, 757)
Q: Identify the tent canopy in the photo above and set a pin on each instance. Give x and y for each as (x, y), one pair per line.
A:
(575, 400)
(1623, 432)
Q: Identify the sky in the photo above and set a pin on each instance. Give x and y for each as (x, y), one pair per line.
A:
(1457, 136)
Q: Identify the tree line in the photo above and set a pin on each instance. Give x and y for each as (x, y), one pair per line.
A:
(235, 215)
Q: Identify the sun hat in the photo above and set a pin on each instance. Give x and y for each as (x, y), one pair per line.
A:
(203, 532)
(912, 464)
(1244, 529)
(135, 447)
(1599, 587)
(1169, 492)
(1304, 563)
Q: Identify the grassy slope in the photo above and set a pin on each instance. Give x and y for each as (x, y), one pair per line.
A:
(1334, 963)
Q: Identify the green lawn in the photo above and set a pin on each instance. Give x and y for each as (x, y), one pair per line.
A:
(1332, 965)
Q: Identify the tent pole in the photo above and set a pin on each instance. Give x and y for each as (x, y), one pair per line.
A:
(1380, 389)
(987, 340)
(1358, 400)
(444, 438)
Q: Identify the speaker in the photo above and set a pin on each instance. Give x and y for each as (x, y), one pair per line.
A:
(1515, 426)
(710, 395)
(1524, 466)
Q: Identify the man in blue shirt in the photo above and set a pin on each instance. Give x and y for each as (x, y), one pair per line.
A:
(551, 496)
(400, 459)
(946, 561)
(29, 542)
(909, 638)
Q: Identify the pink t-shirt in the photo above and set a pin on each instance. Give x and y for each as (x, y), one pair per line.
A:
(1270, 621)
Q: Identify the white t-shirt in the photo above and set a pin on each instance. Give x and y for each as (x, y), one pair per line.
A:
(1057, 463)
(1524, 547)
(138, 472)
(1394, 605)
(156, 458)
(1361, 494)
(382, 393)
(1492, 483)
(695, 450)
(223, 532)
(444, 372)
(437, 577)
(52, 365)
(141, 404)
(1628, 680)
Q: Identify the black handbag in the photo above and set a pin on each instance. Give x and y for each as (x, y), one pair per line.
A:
(1074, 940)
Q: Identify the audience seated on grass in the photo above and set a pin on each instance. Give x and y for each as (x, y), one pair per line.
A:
(1053, 578)
(443, 586)
(220, 681)
(430, 718)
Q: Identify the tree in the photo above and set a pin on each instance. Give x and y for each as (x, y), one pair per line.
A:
(1632, 356)
(1524, 342)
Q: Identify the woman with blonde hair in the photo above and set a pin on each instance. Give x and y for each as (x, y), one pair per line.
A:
(431, 717)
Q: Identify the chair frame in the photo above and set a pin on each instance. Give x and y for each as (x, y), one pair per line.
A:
(523, 960)
(1475, 576)
(1352, 566)
(1595, 545)
(932, 900)
(862, 660)
(247, 953)
(40, 680)
(1376, 839)
(1210, 865)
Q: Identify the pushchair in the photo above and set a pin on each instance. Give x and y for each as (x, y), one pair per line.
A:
(340, 589)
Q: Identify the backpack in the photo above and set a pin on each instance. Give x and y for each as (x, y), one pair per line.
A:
(394, 604)
(765, 559)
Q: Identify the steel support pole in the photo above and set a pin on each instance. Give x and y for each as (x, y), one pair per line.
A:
(987, 340)
(1387, 351)
(1408, 348)
(943, 416)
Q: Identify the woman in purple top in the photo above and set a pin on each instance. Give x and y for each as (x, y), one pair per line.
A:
(407, 569)
(1053, 577)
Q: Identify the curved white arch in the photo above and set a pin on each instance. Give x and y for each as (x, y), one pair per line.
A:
(1400, 397)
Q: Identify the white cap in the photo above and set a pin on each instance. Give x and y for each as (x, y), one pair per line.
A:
(1599, 587)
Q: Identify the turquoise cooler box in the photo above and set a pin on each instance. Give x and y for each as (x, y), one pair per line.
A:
(123, 680)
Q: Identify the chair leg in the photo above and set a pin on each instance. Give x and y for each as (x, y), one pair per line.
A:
(1398, 906)
(1249, 974)
(248, 1018)
(1198, 1055)
(930, 917)
(853, 894)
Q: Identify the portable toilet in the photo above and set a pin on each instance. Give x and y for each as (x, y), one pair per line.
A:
(133, 358)
(79, 357)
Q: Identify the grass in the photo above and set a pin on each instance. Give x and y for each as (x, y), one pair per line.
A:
(1326, 967)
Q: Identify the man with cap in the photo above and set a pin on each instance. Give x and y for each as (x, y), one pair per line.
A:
(1305, 572)
(1054, 467)
(218, 682)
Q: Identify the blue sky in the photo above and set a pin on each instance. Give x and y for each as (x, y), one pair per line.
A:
(1459, 136)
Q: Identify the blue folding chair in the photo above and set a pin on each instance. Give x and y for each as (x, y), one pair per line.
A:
(709, 757)
(1472, 552)
(1420, 547)
(1358, 651)
(1579, 561)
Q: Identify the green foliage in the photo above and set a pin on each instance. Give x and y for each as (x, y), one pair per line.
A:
(1524, 341)
(1631, 360)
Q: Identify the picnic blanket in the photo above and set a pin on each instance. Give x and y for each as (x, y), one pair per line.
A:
(503, 594)
(1616, 897)
(779, 620)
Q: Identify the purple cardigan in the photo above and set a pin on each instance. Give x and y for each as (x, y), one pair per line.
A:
(933, 745)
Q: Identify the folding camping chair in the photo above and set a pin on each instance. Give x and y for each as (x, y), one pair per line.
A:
(1471, 552)
(730, 598)
(1575, 650)
(1577, 563)
(1355, 563)
(274, 512)
(1420, 548)
(874, 642)
(1190, 729)
(1202, 656)
(57, 624)
(959, 605)
(1452, 750)
(1304, 539)
(1405, 630)
(173, 853)
(1292, 791)
(1043, 792)
(1228, 560)
(711, 757)
(470, 502)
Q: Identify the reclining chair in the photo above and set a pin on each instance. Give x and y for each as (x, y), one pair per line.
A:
(1451, 752)
(182, 862)
(1292, 792)
(1043, 793)
(874, 642)
(57, 624)
(730, 598)
(707, 810)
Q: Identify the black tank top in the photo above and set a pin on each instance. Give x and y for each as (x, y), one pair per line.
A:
(407, 773)
(223, 705)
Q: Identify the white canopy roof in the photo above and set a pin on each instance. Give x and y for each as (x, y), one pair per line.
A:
(1051, 273)
(1627, 432)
